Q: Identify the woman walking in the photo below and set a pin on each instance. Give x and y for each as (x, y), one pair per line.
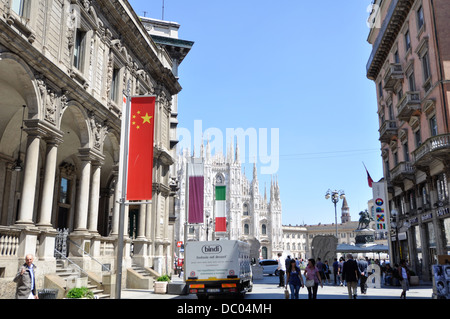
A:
(312, 279)
(294, 279)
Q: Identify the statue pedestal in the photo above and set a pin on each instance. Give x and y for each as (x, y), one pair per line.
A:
(365, 237)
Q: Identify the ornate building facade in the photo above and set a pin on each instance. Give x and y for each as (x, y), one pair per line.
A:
(410, 69)
(249, 214)
(64, 66)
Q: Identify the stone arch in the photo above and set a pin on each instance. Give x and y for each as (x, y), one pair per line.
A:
(20, 77)
(75, 118)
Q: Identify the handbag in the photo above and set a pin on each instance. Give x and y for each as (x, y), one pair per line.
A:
(310, 283)
(286, 294)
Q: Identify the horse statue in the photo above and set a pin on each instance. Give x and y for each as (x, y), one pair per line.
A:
(364, 220)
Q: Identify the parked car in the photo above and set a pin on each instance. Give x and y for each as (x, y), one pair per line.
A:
(269, 266)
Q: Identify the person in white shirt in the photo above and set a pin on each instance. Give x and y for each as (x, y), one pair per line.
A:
(281, 269)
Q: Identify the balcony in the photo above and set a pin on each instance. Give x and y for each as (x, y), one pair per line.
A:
(393, 75)
(402, 171)
(436, 147)
(388, 130)
(409, 103)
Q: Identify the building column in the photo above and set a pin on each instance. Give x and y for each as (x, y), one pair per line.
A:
(29, 180)
(116, 205)
(83, 194)
(94, 198)
(46, 208)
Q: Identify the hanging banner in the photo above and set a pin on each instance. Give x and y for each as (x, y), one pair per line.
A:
(220, 210)
(380, 202)
(140, 148)
(196, 191)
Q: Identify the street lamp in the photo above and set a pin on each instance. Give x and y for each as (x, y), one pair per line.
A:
(335, 195)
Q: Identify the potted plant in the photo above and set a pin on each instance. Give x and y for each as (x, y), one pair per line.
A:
(80, 293)
(161, 284)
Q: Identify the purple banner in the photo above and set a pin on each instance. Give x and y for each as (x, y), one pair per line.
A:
(196, 188)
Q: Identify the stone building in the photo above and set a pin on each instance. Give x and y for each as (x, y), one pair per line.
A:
(409, 66)
(250, 215)
(64, 66)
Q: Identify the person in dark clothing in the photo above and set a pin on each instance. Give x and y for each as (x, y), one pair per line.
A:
(350, 274)
(362, 266)
(335, 270)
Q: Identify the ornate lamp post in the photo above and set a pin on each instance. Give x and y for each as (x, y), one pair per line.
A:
(335, 195)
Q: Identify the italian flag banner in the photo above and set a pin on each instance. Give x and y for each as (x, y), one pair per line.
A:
(221, 219)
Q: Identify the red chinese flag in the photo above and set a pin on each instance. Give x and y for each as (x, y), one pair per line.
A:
(140, 148)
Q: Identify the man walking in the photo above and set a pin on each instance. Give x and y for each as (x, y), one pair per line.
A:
(350, 274)
(281, 270)
(25, 280)
(335, 270)
(362, 266)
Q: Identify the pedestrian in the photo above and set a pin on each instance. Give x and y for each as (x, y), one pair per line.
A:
(326, 271)
(388, 275)
(25, 280)
(403, 273)
(294, 279)
(340, 267)
(335, 270)
(281, 270)
(350, 274)
(287, 261)
(312, 279)
(362, 266)
(319, 265)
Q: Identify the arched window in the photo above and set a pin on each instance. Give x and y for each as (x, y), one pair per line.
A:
(246, 229)
(245, 209)
(264, 252)
(264, 229)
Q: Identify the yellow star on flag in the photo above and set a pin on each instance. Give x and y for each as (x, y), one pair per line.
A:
(146, 118)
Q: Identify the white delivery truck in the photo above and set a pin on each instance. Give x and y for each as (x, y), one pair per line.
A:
(218, 267)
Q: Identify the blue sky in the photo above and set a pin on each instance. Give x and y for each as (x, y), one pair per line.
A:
(295, 65)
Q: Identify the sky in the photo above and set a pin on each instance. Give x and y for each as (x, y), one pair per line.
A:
(295, 67)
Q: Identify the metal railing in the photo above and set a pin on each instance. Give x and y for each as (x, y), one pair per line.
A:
(104, 267)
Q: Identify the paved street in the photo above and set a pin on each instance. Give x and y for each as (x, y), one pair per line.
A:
(267, 289)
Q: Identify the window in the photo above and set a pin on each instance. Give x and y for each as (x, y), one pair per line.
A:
(380, 89)
(78, 49)
(246, 229)
(399, 94)
(391, 112)
(115, 84)
(264, 229)
(412, 82)
(418, 138)
(245, 210)
(426, 66)
(407, 41)
(433, 126)
(420, 18)
(406, 152)
(64, 189)
(395, 159)
(19, 7)
(396, 57)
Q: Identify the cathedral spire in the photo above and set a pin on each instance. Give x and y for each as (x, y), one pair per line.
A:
(237, 155)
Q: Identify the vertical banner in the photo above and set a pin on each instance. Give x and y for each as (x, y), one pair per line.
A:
(140, 148)
(221, 220)
(196, 191)
(380, 202)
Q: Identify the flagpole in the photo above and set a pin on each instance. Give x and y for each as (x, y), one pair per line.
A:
(123, 179)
